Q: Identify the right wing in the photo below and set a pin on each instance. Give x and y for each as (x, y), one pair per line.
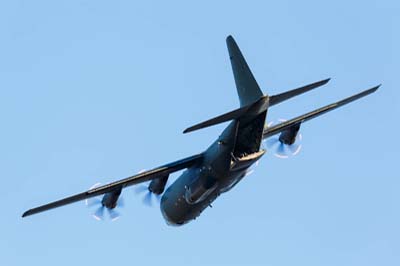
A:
(300, 119)
(120, 184)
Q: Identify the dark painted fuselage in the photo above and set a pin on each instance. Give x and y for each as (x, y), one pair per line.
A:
(224, 164)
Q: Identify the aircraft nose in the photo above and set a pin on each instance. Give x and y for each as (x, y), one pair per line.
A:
(167, 211)
(169, 220)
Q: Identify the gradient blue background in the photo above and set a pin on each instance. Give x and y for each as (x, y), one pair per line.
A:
(93, 91)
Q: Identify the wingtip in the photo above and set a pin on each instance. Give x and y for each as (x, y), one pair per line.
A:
(28, 213)
(189, 129)
(324, 81)
(374, 89)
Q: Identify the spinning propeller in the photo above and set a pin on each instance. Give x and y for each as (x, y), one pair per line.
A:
(149, 196)
(153, 190)
(287, 144)
(251, 170)
(108, 203)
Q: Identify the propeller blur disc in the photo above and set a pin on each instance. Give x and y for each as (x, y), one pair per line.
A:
(281, 150)
(99, 213)
(149, 197)
(114, 215)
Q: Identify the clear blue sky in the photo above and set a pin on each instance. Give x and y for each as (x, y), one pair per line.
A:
(93, 91)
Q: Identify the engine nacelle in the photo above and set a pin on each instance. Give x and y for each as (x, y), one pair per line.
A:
(157, 185)
(110, 199)
(200, 189)
(289, 135)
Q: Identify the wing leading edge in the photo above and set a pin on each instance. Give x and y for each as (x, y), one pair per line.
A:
(300, 119)
(129, 181)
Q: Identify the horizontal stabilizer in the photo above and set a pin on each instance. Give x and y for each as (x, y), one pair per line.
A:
(275, 99)
(300, 119)
(235, 114)
(241, 114)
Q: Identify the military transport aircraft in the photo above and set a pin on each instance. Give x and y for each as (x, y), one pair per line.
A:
(225, 162)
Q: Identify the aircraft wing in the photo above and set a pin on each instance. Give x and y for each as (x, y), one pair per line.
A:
(300, 119)
(129, 181)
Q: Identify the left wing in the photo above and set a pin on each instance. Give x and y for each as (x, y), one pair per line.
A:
(120, 184)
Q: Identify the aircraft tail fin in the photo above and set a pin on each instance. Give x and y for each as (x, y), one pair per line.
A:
(252, 100)
(275, 99)
(246, 85)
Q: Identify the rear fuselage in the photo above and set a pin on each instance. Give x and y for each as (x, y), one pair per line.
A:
(224, 164)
